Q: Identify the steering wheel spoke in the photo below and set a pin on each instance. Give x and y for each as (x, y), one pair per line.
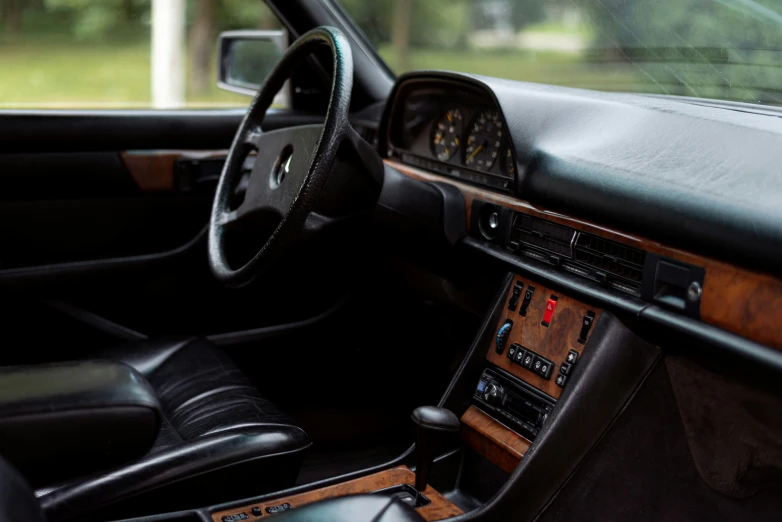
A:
(253, 137)
(232, 219)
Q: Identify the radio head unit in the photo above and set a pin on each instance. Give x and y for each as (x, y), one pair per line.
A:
(513, 403)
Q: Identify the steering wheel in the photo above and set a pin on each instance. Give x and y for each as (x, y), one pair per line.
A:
(291, 168)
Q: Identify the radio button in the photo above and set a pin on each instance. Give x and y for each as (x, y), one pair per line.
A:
(494, 394)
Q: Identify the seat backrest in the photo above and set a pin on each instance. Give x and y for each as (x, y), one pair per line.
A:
(17, 502)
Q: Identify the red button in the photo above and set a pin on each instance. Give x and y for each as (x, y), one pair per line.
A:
(551, 304)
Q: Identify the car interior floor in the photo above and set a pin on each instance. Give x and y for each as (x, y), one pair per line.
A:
(349, 381)
(692, 445)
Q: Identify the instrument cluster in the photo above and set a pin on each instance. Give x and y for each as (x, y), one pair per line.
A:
(453, 132)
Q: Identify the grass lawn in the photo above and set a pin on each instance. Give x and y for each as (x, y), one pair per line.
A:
(68, 75)
(56, 74)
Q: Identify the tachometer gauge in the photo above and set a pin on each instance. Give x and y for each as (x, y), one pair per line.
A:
(483, 142)
(447, 135)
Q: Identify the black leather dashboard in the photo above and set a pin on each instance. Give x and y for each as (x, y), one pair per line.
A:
(688, 172)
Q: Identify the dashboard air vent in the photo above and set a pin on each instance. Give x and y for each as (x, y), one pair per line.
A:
(542, 234)
(609, 257)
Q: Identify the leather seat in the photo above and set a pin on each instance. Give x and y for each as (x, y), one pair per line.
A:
(220, 439)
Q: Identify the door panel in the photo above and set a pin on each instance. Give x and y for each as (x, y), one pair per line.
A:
(106, 212)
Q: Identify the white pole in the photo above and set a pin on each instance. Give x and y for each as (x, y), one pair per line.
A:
(168, 54)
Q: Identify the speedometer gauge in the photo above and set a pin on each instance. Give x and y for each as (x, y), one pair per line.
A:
(483, 143)
(447, 135)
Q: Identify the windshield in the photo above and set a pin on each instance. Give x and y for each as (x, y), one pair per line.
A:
(723, 49)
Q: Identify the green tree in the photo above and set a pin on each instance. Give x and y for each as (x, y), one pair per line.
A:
(11, 17)
(201, 41)
(701, 48)
(91, 20)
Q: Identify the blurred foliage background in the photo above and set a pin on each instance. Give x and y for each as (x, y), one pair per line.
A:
(96, 52)
(726, 49)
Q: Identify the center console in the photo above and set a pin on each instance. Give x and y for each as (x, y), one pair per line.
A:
(546, 375)
(537, 343)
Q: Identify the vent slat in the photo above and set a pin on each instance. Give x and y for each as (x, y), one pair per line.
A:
(543, 234)
(607, 256)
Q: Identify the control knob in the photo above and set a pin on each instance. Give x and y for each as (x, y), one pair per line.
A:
(502, 336)
(493, 394)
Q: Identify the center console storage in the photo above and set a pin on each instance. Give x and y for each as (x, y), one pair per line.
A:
(387, 482)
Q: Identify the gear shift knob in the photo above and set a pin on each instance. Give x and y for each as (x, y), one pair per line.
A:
(432, 425)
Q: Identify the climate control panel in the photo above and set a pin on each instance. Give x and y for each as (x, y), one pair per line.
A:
(541, 334)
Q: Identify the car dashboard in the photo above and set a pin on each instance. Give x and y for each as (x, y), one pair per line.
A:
(601, 193)
(605, 211)
(453, 130)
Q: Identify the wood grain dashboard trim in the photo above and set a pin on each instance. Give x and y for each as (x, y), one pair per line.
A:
(494, 441)
(153, 170)
(552, 342)
(735, 299)
(439, 508)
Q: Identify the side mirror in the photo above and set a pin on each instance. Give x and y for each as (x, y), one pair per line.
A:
(245, 59)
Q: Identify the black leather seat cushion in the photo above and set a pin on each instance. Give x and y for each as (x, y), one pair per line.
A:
(358, 508)
(220, 439)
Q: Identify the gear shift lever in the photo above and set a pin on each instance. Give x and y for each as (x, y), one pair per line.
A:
(432, 425)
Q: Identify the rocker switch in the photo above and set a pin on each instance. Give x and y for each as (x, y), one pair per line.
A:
(551, 305)
(586, 324)
(514, 299)
(527, 298)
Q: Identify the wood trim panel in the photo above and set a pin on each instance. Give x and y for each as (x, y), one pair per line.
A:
(735, 299)
(153, 170)
(496, 442)
(552, 342)
(439, 509)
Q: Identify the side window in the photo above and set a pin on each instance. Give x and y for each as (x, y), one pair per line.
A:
(75, 54)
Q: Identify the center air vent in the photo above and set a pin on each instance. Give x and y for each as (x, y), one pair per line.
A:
(610, 264)
(610, 258)
(542, 234)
